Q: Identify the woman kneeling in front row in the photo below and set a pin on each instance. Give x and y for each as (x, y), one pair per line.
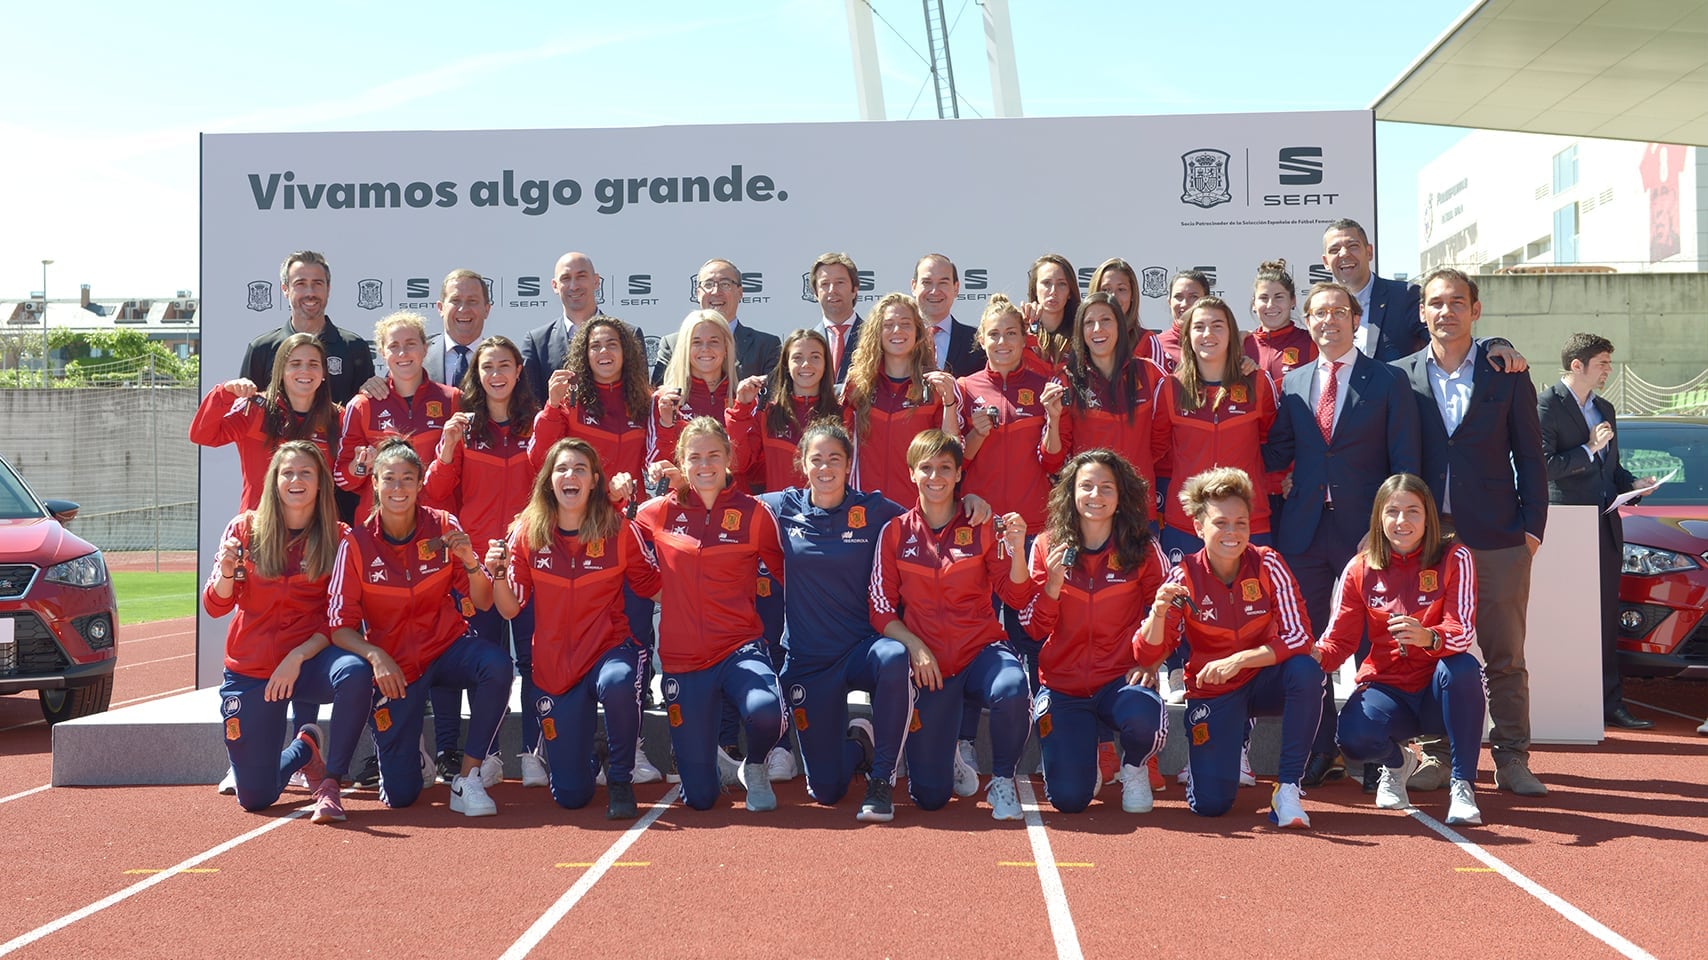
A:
(1415, 591)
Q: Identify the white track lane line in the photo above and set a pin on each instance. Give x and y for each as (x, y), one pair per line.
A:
(1055, 898)
(1587, 923)
(25, 793)
(24, 940)
(534, 934)
(1670, 713)
(162, 636)
(121, 703)
(144, 663)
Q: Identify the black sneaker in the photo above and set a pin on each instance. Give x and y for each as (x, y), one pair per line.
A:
(369, 775)
(877, 807)
(620, 802)
(450, 765)
(1372, 776)
(860, 731)
(1322, 768)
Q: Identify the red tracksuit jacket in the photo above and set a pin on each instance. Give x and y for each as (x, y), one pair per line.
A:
(769, 460)
(1106, 423)
(274, 615)
(1443, 596)
(491, 479)
(1228, 432)
(880, 456)
(1011, 470)
(1090, 630)
(368, 421)
(223, 418)
(401, 591)
(1262, 607)
(624, 445)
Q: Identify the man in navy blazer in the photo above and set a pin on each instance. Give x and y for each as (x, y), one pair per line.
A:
(463, 306)
(1390, 327)
(718, 285)
(836, 284)
(936, 285)
(1581, 448)
(1373, 434)
(1482, 459)
(545, 348)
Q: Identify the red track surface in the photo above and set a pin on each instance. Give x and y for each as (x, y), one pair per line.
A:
(1621, 838)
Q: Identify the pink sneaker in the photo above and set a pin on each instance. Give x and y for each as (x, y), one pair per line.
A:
(328, 805)
(314, 770)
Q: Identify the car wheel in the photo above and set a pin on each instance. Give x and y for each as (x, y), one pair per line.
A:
(60, 705)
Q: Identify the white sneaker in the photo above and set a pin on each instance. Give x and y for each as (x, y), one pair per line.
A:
(468, 797)
(780, 764)
(757, 779)
(1136, 789)
(1004, 799)
(228, 783)
(429, 769)
(1246, 777)
(1285, 809)
(1703, 728)
(966, 769)
(298, 779)
(1176, 686)
(729, 768)
(1391, 785)
(535, 773)
(492, 770)
(1185, 774)
(644, 771)
(1462, 804)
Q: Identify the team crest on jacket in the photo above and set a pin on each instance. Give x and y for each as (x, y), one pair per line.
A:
(596, 548)
(963, 536)
(468, 608)
(435, 408)
(1027, 397)
(424, 549)
(1238, 393)
(1204, 178)
(370, 294)
(732, 519)
(1290, 356)
(1427, 581)
(764, 587)
(856, 517)
(1250, 590)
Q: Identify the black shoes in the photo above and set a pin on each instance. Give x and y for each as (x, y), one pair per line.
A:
(1372, 777)
(1622, 718)
(620, 802)
(369, 775)
(450, 765)
(1322, 768)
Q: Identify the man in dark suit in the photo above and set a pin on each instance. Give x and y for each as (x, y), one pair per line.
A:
(1582, 452)
(836, 284)
(936, 284)
(1390, 328)
(463, 306)
(719, 287)
(1344, 424)
(544, 348)
(1482, 459)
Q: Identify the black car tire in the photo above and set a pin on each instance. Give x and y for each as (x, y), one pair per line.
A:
(60, 705)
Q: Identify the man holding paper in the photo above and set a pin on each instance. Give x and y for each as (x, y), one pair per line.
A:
(1582, 454)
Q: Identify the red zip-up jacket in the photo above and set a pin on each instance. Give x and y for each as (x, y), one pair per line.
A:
(1089, 632)
(368, 421)
(1106, 423)
(711, 561)
(701, 401)
(274, 614)
(1262, 607)
(880, 456)
(401, 591)
(769, 460)
(577, 592)
(938, 583)
(1165, 347)
(223, 418)
(1443, 597)
(1011, 469)
(1278, 352)
(491, 479)
(624, 445)
(1227, 431)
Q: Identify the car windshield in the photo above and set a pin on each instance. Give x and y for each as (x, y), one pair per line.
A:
(1656, 448)
(16, 501)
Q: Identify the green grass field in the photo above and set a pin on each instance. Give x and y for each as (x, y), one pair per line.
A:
(145, 597)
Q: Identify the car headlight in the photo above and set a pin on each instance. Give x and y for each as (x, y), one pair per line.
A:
(1652, 561)
(85, 571)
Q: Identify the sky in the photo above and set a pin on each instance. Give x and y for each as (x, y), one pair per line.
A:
(106, 101)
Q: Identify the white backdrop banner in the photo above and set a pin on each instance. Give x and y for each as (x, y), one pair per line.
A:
(395, 212)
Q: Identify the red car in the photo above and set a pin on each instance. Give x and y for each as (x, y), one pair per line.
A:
(58, 616)
(1663, 593)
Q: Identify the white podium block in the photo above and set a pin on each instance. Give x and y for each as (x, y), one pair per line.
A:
(1562, 643)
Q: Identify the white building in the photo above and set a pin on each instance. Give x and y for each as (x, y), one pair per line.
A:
(1498, 200)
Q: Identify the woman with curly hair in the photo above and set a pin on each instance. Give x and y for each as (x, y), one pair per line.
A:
(893, 391)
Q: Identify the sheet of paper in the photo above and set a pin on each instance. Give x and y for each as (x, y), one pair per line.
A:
(1625, 498)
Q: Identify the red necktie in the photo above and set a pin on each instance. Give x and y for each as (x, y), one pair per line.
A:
(838, 332)
(1325, 400)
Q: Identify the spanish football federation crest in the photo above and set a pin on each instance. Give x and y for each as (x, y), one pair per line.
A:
(1153, 282)
(1204, 180)
(370, 294)
(260, 295)
(1427, 581)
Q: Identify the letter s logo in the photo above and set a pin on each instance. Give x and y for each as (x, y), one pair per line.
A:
(1301, 166)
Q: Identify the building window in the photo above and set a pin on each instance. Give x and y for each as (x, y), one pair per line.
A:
(1566, 234)
(1566, 169)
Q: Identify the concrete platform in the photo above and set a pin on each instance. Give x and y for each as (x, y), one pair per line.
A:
(179, 740)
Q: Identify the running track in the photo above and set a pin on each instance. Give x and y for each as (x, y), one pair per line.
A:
(1611, 864)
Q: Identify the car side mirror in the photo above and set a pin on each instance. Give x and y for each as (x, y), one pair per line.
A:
(63, 510)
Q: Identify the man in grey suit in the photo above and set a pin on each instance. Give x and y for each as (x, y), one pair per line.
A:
(1343, 424)
(718, 284)
(1482, 459)
(463, 306)
(1581, 446)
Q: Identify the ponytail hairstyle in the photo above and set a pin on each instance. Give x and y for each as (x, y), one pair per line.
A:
(394, 450)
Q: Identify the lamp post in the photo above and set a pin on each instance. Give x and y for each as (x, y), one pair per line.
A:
(47, 366)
